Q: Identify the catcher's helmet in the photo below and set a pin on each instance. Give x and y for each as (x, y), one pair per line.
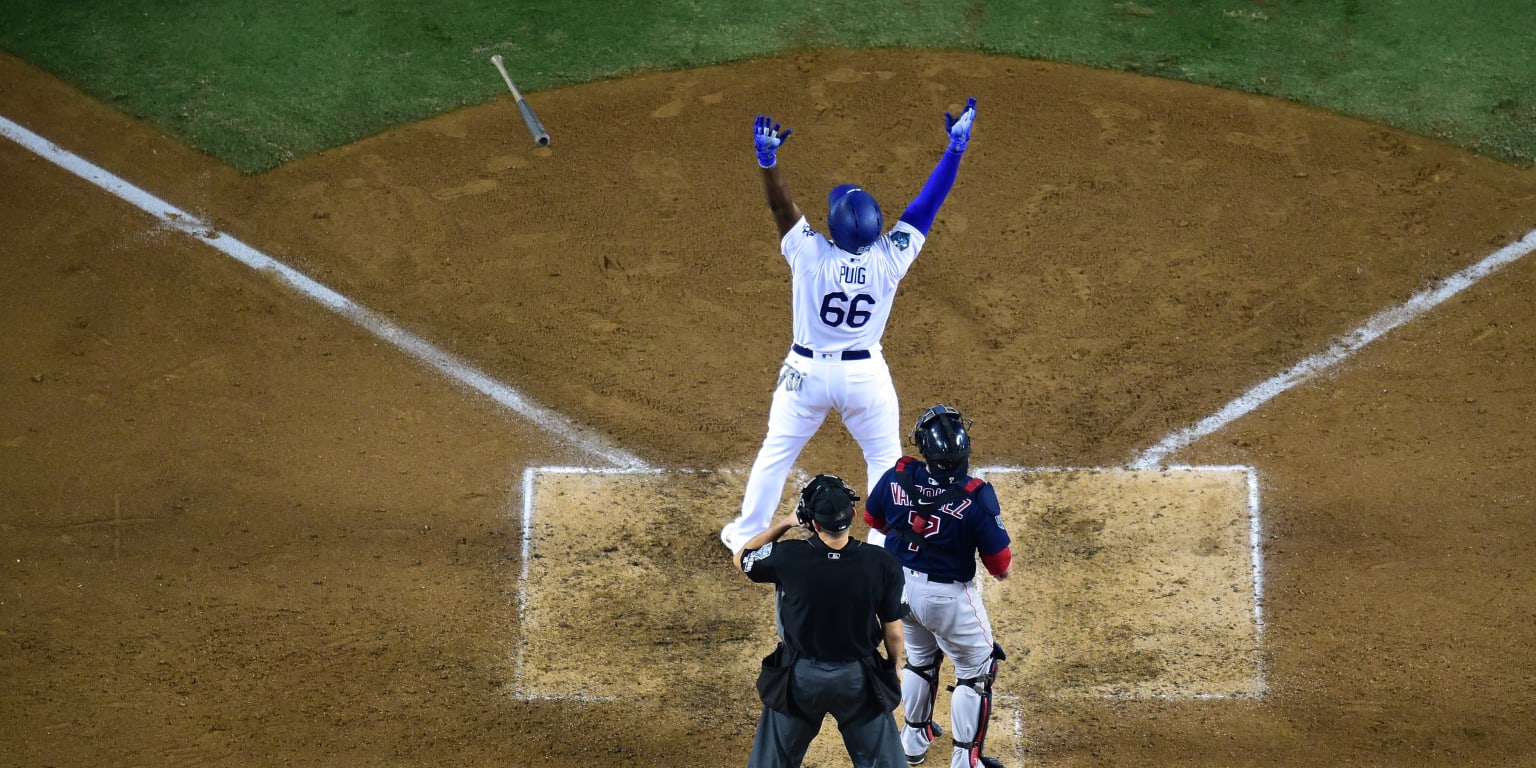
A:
(942, 438)
(827, 500)
(854, 218)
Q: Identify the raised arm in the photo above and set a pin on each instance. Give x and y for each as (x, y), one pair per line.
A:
(921, 212)
(766, 139)
(773, 533)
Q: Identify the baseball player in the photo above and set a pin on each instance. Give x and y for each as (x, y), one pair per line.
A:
(842, 290)
(938, 519)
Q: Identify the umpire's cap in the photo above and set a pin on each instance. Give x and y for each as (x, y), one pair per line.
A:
(854, 218)
(828, 500)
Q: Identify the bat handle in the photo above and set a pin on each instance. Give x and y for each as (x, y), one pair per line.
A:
(502, 68)
(535, 126)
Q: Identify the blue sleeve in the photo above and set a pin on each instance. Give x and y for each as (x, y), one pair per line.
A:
(922, 210)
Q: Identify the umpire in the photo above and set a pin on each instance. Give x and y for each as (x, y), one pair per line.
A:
(837, 598)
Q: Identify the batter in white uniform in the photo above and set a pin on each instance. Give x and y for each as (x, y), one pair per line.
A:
(843, 288)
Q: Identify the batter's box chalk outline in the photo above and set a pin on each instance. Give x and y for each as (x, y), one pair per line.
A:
(530, 476)
(1254, 685)
(728, 638)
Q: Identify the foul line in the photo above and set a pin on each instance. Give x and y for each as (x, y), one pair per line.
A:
(379, 326)
(1341, 348)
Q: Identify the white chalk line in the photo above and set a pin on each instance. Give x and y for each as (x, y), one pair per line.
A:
(424, 351)
(1256, 555)
(581, 697)
(1341, 348)
(1016, 722)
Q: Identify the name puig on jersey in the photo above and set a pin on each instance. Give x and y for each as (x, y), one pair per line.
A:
(852, 274)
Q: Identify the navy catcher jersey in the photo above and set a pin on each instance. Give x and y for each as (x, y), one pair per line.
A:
(941, 531)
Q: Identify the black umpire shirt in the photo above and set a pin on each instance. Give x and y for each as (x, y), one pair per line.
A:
(829, 598)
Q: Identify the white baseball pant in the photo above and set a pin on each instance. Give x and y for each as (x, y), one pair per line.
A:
(862, 393)
(947, 618)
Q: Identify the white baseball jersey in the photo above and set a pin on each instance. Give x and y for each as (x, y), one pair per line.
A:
(843, 300)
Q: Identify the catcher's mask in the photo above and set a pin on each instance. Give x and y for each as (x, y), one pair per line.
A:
(941, 436)
(827, 500)
(854, 218)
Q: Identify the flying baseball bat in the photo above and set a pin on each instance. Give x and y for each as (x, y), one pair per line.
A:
(540, 136)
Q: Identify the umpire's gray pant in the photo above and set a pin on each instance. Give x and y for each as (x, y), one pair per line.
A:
(819, 688)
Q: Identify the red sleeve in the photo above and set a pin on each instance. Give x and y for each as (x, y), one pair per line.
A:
(878, 525)
(997, 563)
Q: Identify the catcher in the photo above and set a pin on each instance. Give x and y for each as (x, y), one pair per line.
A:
(937, 519)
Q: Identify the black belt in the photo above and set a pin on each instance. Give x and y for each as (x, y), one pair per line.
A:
(935, 579)
(852, 354)
(828, 661)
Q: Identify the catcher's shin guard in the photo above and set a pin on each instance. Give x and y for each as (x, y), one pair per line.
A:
(919, 690)
(971, 712)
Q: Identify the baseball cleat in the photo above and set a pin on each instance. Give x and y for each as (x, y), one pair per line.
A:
(937, 731)
(731, 539)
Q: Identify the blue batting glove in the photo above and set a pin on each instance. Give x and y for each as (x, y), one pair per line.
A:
(767, 138)
(959, 128)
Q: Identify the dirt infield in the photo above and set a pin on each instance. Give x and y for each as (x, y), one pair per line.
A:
(1138, 585)
(239, 530)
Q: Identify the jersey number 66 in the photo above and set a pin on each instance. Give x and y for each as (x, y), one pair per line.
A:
(834, 314)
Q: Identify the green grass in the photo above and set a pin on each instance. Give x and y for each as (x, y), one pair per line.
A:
(258, 84)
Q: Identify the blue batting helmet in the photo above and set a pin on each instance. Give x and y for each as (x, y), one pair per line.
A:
(854, 218)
